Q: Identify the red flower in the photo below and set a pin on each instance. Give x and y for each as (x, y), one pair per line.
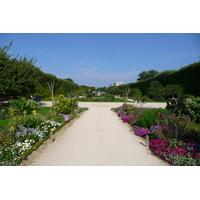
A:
(159, 113)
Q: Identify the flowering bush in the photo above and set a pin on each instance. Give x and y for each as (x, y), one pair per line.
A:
(17, 143)
(173, 137)
(21, 106)
(179, 127)
(48, 125)
(175, 152)
(126, 118)
(156, 132)
(23, 132)
(26, 132)
(149, 117)
(141, 131)
(64, 105)
(26, 120)
(24, 146)
(65, 117)
(187, 106)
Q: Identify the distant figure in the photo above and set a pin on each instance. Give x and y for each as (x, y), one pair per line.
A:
(38, 100)
(173, 102)
(32, 98)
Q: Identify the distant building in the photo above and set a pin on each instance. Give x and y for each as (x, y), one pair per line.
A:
(117, 83)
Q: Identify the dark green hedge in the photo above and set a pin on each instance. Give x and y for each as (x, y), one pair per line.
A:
(188, 77)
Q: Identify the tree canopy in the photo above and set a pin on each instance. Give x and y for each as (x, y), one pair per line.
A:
(147, 74)
(19, 76)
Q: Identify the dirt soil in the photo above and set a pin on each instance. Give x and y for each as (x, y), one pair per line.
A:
(97, 138)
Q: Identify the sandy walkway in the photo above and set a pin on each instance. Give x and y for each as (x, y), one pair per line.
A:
(97, 138)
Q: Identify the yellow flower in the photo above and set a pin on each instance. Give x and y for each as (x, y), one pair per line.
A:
(34, 112)
(11, 128)
(24, 112)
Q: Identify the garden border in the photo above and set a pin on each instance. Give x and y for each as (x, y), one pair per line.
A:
(33, 152)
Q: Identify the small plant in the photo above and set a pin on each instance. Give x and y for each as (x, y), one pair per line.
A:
(127, 119)
(3, 113)
(18, 107)
(141, 131)
(64, 105)
(149, 117)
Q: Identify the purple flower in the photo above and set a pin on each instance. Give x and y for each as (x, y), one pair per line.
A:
(126, 119)
(66, 117)
(142, 131)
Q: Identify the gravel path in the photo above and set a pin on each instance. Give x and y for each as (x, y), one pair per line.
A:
(97, 138)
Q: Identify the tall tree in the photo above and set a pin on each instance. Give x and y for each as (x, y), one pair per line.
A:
(155, 89)
(172, 90)
(147, 74)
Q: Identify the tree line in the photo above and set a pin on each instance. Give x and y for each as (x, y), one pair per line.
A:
(19, 76)
(171, 82)
(163, 85)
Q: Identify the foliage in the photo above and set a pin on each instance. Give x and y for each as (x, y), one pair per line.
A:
(147, 74)
(171, 90)
(4, 113)
(187, 106)
(21, 107)
(174, 138)
(149, 117)
(25, 133)
(156, 132)
(19, 76)
(27, 121)
(187, 77)
(155, 89)
(64, 105)
(136, 93)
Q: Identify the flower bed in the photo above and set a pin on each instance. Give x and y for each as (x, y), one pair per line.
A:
(174, 138)
(25, 133)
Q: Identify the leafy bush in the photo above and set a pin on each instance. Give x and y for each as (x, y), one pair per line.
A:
(179, 127)
(64, 105)
(174, 138)
(48, 125)
(3, 113)
(31, 121)
(21, 107)
(186, 106)
(156, 132)
(149, 117)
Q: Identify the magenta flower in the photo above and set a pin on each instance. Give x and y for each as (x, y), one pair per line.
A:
(142, 131)
(126, 119)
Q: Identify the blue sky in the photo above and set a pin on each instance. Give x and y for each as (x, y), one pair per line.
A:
(100, 59)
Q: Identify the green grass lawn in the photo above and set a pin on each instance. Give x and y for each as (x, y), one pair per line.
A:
(4, 122)
(41, 110)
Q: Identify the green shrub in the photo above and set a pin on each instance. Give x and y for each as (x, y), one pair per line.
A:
(31, 121)
(3, 113)
(187, 106)
(21, 107)
(149, 117)
(64, 105)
